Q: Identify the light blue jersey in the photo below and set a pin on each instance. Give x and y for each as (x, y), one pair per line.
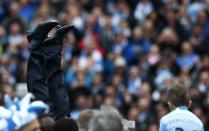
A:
(180, 119)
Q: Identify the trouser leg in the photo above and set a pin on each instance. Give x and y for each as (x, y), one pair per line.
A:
(36, 82)
(55, 83)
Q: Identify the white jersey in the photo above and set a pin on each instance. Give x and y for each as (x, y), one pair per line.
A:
(180, 119)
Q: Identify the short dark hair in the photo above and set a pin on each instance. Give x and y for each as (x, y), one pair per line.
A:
(47, 124)
(65, 124)
(178, 94)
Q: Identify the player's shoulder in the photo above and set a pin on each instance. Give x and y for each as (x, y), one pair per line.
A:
(174, 114)
(166, 117)
(196, 118)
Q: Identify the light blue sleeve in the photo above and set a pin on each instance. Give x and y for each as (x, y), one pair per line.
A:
(162, 126)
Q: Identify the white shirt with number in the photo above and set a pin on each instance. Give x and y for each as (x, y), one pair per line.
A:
(180, 119)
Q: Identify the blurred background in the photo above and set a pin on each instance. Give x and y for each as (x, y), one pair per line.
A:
(123, 53)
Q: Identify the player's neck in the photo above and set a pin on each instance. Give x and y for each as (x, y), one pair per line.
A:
(183, 107)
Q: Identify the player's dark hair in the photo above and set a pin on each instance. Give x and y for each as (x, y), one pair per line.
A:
(178, 94)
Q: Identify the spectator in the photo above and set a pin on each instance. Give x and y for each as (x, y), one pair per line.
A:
(134, 82)
(84, 119)
(97, 85)
(119, 43)
(81, 101)
(65, 124)
(188, 59)
(122, 53)
(203, 84)
(15, 37)
(120, 12)
(104, 118)
(33, 125)
(27, 9)
(143, 9)
(153, 55)
(46, 124)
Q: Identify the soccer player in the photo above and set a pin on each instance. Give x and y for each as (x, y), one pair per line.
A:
(180, 118)
(44, 74)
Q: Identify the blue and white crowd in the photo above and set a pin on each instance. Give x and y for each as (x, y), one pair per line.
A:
(123, 53)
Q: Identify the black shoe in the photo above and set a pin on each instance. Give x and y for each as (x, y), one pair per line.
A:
(57, 38)
(41, 31)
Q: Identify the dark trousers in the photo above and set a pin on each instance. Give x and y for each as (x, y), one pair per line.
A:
(45, 79)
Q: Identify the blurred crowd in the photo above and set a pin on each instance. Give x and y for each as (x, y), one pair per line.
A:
(122, 53)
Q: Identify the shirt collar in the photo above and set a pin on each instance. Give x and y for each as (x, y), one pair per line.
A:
(182, 108)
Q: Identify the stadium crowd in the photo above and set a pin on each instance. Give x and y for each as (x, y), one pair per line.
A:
(122, 53)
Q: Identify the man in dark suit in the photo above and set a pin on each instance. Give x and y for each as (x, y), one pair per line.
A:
(44, 74)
